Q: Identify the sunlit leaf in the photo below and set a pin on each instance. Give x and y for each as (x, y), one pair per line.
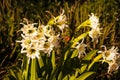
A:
(12, 73)
(72, 77)
(40, 61)
(52, 21)
(60, 76)
(84, 75)
(33, 70)
(83, 68)
(82, 36)
(66, 54)
(53, 59)
(90, 55)
(96, 59)
(66, 78)
(84, 24)
(74, 54)
(25, 68)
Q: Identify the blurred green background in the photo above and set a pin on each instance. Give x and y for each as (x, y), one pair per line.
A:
(12, 13)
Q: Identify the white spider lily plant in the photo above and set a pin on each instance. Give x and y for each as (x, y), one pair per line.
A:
(81, 47)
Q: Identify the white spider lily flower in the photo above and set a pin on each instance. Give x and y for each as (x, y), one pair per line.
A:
(61, 27)
(25, 42)
(29, 30)
(54, 40)
(48, 31)
(32, 52)
(41, 28)
(41, 45)
(94, 34)
(110, 54)
(117, 60)
(112, 57)
(48, 47)
(39, 36)
(112, 67)
(62, 19)
(81, 47)
(94, 21)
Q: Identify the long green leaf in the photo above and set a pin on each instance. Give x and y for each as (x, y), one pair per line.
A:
(33, 70)
(52, 21)
(85, 75)
(84, 24)
(25, 68)
(60, 76)
(66, 54)
(82, 68)
(90, 55)
(40, 62)
(79, 38)
(74, 54)
(66, 78)
(12, 73)
(96, 59)
(53, 60)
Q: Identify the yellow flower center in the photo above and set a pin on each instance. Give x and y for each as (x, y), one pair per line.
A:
(107, 53)
(30, 31)
(32, 51)
(27, 42)
(46, 45)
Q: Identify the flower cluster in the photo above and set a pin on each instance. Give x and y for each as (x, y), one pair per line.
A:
(112, 57)
(45, 38)
(94, 34)
(42, 38)
(94, 24)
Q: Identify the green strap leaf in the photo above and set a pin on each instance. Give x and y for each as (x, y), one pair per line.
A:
(65, 78)
(96, 59)
(60, 76)
(52, 21)
(53, 60)
(12, 73)
(25, 68)
(85, 75)
(84, 24)
(33, 70)
(83, 68)
(66, 54)
(74, 54)
(79, 38)
(90, 55)
(40, 62)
